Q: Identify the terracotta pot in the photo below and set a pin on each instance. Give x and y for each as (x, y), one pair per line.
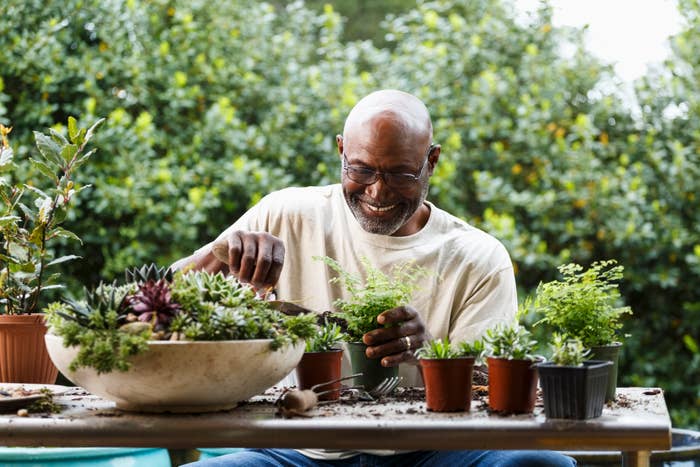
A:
(372, 370)
(320, 367)
(448, 383)
(512, 385)
(23, 355)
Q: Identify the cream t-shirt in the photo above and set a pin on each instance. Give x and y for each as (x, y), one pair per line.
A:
(470, 289)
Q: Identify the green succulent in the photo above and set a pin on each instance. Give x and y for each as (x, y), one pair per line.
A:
(326, 338)
(567, 351)
(513, 342)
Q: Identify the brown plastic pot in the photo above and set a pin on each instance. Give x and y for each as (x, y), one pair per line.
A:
(448, 383)
(23, 355)
(512, 385)
(320, 367)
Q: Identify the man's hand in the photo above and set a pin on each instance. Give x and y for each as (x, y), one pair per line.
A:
(391, 343)
(253, 257)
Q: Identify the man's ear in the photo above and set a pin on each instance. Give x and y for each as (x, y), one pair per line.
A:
(339, 142)
(433, 158)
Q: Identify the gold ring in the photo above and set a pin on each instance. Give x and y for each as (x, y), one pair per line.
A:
(408, 342)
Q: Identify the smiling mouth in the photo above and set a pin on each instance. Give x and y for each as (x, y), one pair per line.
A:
(380, 208)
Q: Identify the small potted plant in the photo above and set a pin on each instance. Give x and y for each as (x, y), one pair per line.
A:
(187, 341)
(571, 386)
(368, 299)
(447, 374)
(30, 222)
(585, 305)
(512, 374)
(322, 361)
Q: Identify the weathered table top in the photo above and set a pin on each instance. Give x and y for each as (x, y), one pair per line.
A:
(637, 421)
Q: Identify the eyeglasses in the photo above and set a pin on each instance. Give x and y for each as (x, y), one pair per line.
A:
(367, 176)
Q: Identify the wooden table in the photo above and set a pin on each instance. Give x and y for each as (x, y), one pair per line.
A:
(637, 423)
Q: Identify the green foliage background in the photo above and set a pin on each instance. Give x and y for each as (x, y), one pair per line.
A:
(211, 104)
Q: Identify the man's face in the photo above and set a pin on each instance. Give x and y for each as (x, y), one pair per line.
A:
(384, 204)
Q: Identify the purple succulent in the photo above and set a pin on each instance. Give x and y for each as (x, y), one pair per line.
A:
(152, 304)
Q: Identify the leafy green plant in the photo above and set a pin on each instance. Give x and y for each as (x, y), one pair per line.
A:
(567, 352)
(28, 228)
(327, 338)
(513, 342)
(113, 323)
(377, 293)
(585, 304)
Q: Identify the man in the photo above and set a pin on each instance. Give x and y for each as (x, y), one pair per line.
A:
(379, 212)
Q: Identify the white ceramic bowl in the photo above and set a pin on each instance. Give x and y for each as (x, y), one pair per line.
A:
(182, 376)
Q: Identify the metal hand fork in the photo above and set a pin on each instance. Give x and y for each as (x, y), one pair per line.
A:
(385, 387)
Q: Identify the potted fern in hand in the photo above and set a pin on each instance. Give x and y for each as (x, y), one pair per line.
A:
(585, 305)
(369, 298)
(512, 375)
(31, 221)
(572, 387)
(447, 373)
(322, 359)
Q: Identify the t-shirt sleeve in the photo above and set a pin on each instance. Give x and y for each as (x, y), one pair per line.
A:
(494, 300)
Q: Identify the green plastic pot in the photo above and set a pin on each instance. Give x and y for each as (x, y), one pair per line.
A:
(372, 370)
(610, 353)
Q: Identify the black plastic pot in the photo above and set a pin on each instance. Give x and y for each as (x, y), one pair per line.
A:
(574, 392)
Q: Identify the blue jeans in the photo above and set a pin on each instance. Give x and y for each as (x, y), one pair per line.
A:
(291, 458)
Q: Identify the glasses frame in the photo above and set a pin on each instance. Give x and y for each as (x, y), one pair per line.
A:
(409, 177)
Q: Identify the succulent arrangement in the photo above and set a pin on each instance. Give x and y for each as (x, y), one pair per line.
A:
(377, 293)
(114, 322)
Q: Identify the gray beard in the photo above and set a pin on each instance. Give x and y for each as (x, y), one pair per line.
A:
(381, 226)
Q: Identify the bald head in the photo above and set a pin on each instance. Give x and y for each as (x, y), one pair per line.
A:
(389, 114)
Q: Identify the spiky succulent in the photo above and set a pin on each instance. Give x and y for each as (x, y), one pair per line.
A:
(148, 272)
(152, 303)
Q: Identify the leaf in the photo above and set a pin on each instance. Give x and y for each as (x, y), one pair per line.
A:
(68, 152)
(72, 129)
(37, 191)
(28, 213)
(58, 137)
(63, 259)
(80, 161)
(45, 169)
(91, 130)
(63, 233)
(48, 148)
(6, 156)
(7, 220)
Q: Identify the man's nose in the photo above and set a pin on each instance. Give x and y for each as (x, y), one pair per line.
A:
(378, 189)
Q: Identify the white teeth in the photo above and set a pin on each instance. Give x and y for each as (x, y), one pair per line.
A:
(381, 208)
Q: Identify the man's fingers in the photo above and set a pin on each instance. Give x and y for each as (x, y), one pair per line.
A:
(235, 251)
(397, 315)
(273, 274)
(249, 257)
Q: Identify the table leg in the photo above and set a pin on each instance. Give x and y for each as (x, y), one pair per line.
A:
(635, 458)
